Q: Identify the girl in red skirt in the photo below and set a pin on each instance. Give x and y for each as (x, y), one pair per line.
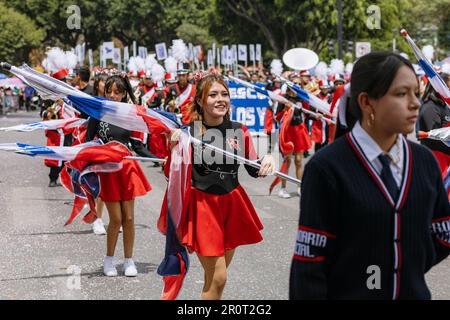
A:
(119, 189)
(220, 214)
(297, 133)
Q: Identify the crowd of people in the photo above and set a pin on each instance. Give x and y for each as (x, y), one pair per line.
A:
(365, 183)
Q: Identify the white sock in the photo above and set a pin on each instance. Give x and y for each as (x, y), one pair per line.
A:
(128, 260)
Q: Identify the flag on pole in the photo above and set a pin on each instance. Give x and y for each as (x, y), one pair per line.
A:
(47, 125)
(108, 50)
(258, 52)
(161, 51)
(242, 53)
(117, 57)
(91, 59)
(126, 56)
(435, 79)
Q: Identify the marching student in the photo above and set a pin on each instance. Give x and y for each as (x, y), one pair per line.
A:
(119, 189)
(220, 214)
(374, 213)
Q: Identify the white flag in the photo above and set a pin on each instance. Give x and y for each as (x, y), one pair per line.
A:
(117, 57)
(252, 52)
(218, 57)
(225, 55)
(161, 51)
(242, 53)
(126, 55)
(190, 52)
(143, 52)
(258, 52)
(108, 50)
(210, 57)
(232, 57)
(91, 58)
(83, 53)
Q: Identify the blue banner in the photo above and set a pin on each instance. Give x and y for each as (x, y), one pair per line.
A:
(248, 106)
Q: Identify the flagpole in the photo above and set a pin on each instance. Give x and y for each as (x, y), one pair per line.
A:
(243, 160)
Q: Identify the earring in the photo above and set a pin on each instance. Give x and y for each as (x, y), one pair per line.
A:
(371, 120)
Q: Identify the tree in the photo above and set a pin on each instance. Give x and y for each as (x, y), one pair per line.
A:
(18, 35)
(283, 24)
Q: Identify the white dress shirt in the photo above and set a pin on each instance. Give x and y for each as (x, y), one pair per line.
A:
(372, 150)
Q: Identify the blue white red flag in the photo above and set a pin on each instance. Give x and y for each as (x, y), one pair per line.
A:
(435, 79)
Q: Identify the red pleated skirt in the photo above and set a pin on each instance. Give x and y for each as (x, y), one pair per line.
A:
(125, 184)
(221, 222)
(299, 136)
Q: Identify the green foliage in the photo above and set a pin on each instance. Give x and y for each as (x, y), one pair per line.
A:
(277, 24)
(18, 34)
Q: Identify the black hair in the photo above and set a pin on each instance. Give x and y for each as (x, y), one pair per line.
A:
(100, 77)
(84, 74)
(373, 74)
(122, 84)
(431, 94)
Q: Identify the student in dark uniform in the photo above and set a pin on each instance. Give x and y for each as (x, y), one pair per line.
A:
(374, 213)
(119, 189)
(221, 216)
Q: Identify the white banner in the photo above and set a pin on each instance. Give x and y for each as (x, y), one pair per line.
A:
(117, 56)
(242, 53)
(108, 50)
(161, 51)
(233, 57)
(91, 59)
(258, 52)
(126, 55)
(362, 48)
(190, 52)
(225, 55)
(143, 52)
(134, 49)
(210, 58)
(83, 53)
(252, 52)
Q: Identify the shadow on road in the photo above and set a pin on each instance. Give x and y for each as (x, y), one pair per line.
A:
(142, 268)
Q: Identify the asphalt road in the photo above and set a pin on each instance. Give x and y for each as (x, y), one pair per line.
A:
(42, 259)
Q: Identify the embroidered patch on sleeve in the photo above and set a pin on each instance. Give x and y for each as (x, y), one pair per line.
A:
(311, 243)
(441, 228)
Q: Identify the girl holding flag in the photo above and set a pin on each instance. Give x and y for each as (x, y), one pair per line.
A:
(119, 189)
(220, 215)
(295, 132)
(374, 213)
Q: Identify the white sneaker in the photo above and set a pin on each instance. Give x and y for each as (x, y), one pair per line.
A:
(283, 194)
(108, 267)
(98, 227)
(130, 268)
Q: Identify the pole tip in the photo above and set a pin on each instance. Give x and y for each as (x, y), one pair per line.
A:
(5, 66)
(404, 32)
(422, 135)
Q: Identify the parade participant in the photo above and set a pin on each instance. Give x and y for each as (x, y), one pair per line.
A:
(220, 215)
(57, 64)
(435, 114)
(119, 189)
(182, 93)
(98, 226)
(374, 213)
(319, 127)
(297, 133)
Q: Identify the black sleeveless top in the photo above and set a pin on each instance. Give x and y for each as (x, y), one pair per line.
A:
(212, 172)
